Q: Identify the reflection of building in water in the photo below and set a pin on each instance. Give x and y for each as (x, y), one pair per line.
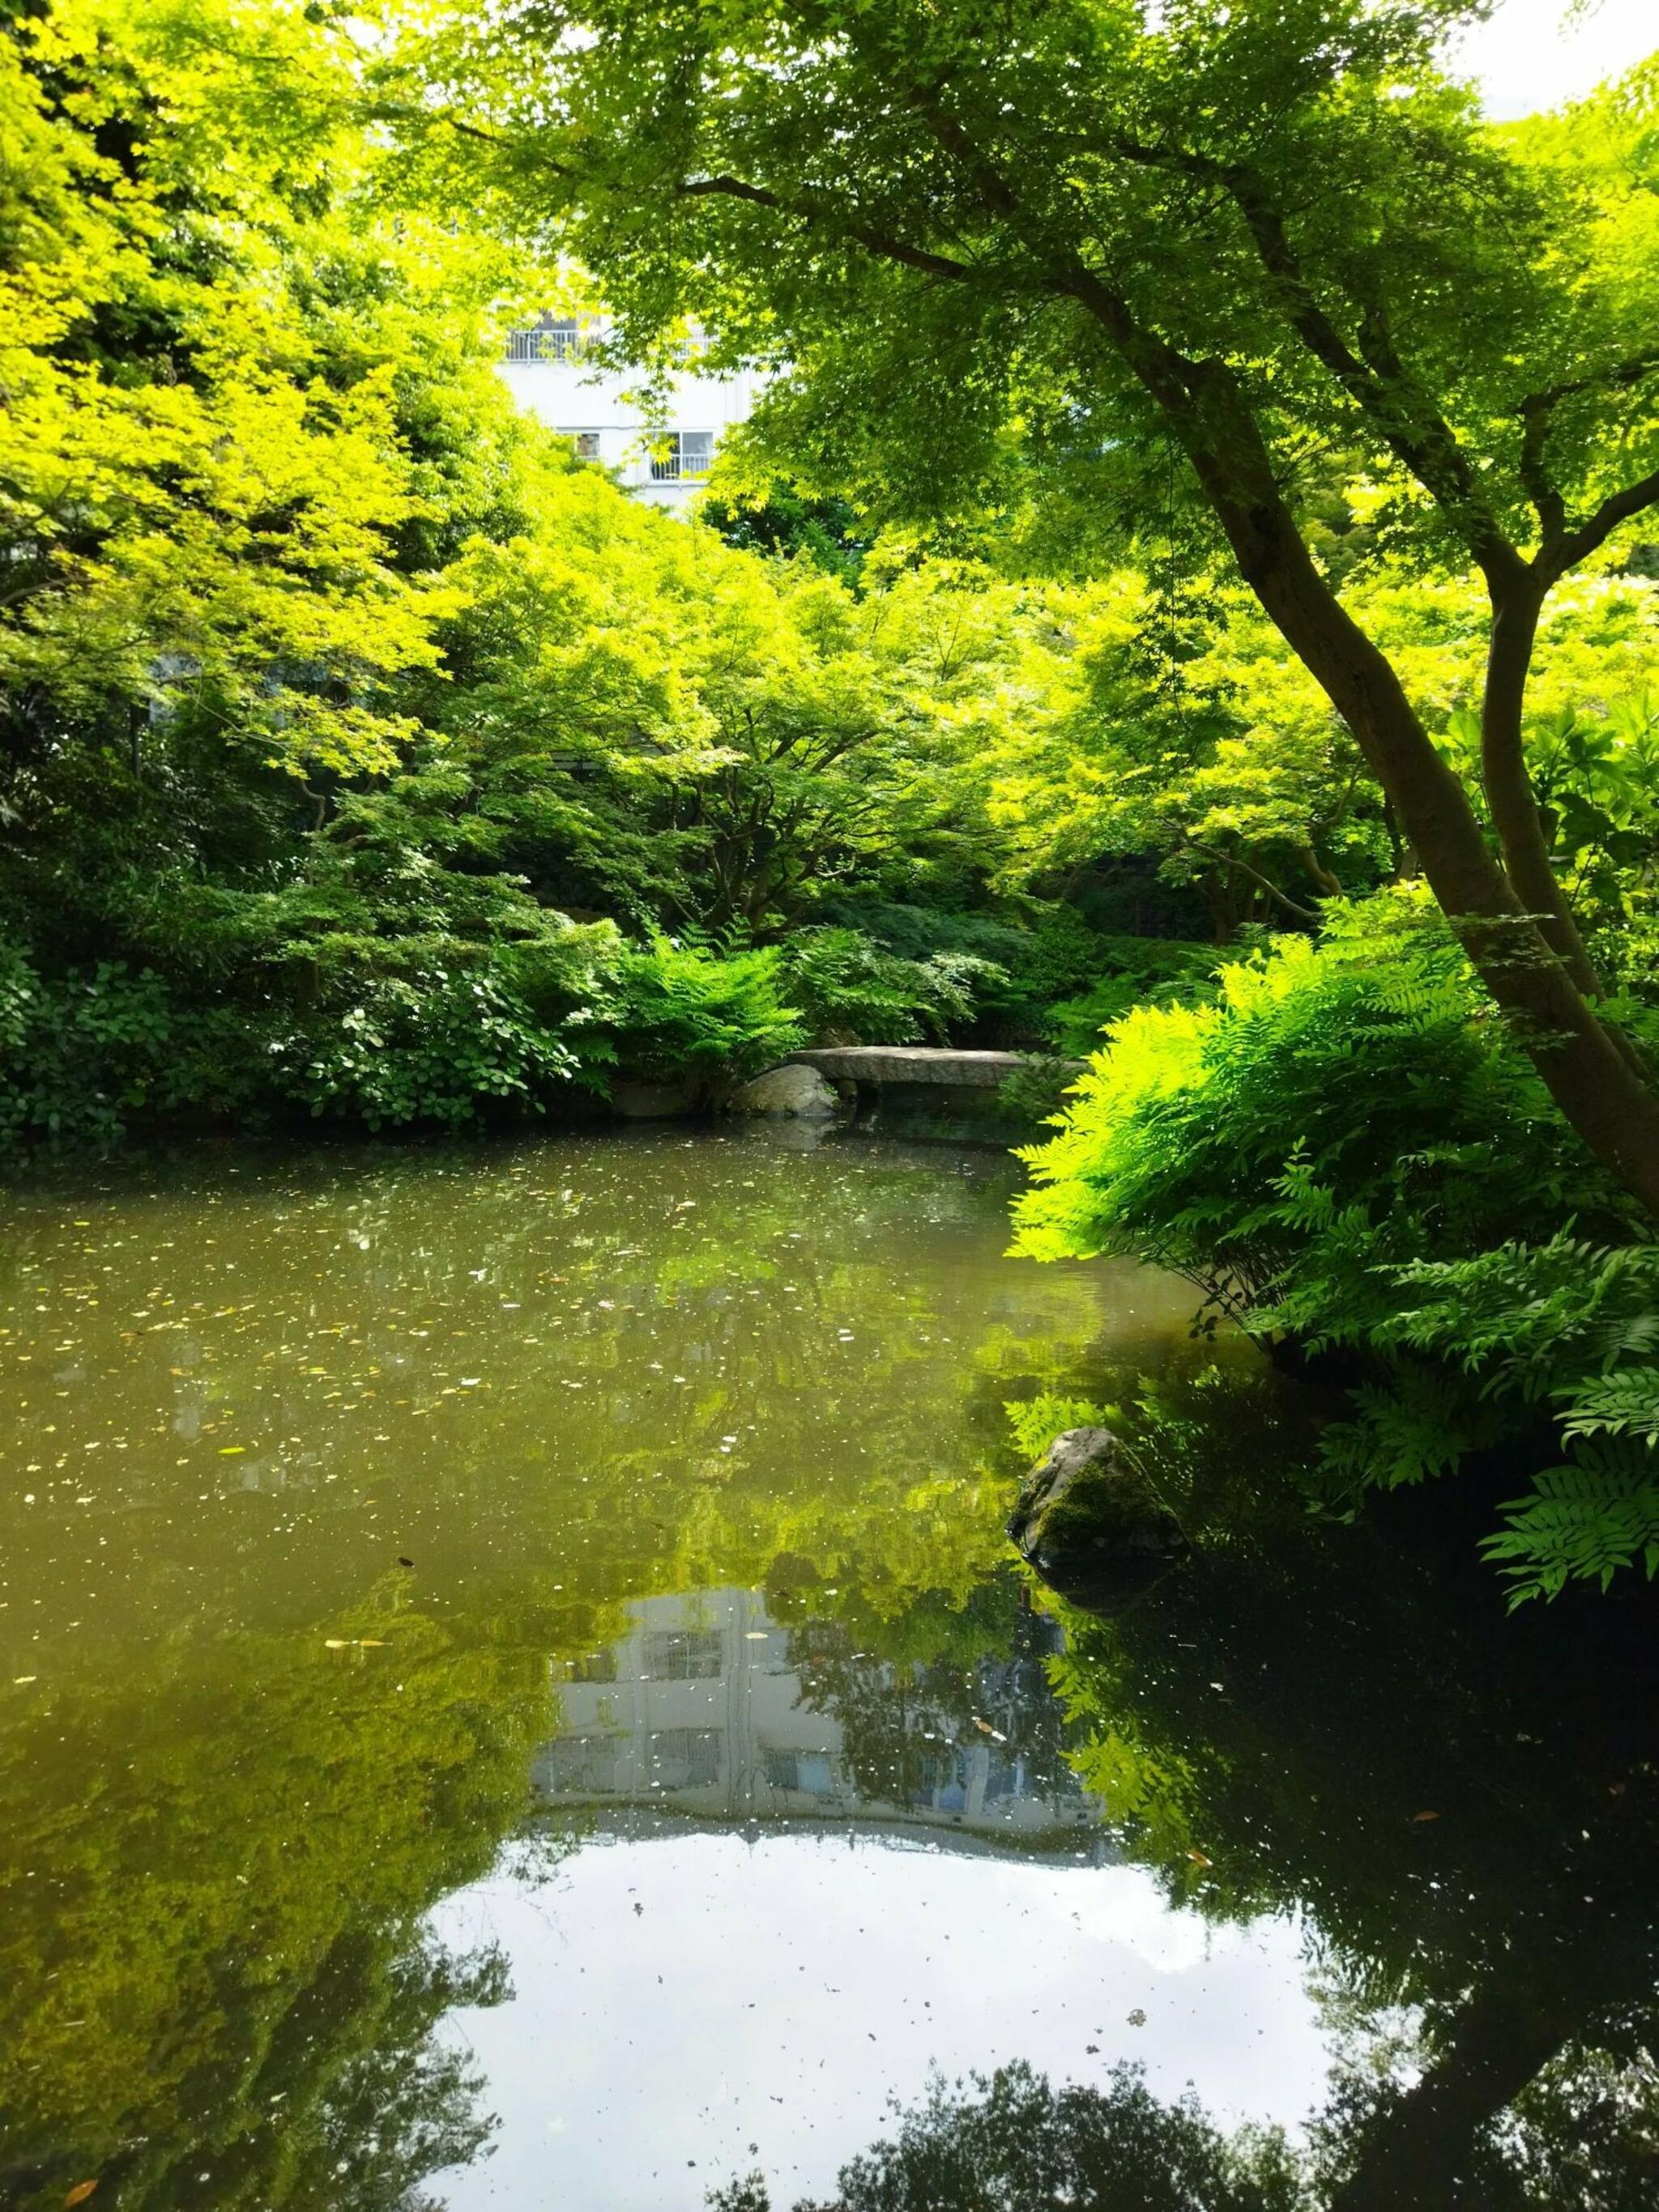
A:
(704, 1710)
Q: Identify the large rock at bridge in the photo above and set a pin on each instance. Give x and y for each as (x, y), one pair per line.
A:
(1090, 1521)
(793, 1090)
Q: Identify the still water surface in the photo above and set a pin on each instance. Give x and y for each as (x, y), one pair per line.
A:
(513, 1692)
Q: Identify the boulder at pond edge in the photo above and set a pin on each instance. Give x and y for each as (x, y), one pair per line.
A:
(1090, 1521)
(787, 1090)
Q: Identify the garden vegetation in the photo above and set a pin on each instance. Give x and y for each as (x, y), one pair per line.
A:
(1189, 593)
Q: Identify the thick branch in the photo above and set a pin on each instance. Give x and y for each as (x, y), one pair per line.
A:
(817, 210)
(1537, 416)
(1383, 388)
(1374, 377)
(1232, 861)
(1619, 507)
(1547, 503)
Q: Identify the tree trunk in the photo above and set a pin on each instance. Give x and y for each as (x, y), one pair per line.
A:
(1330, 886)
(1418, 2153)
(1586, 1071)
(1510, 796)
(1587, 1074)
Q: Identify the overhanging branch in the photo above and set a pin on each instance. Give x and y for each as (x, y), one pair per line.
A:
(824, 212)
(1620, 507)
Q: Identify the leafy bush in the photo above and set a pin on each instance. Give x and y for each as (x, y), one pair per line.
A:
(78, 1053)
(436, 1050)
(1332, 1151)
(679, 1014)
(1057, 981)
(917, 932)
(851, 991)
(1037, 1089)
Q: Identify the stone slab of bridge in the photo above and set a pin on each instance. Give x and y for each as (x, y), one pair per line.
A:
(931, 1065)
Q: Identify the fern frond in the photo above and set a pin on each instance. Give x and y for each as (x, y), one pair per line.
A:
(1583, 1522)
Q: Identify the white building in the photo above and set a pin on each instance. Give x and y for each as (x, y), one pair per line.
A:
(699, 1712)
(550, 371)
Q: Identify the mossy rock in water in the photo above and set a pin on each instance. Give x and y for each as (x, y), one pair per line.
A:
(1090, 1521)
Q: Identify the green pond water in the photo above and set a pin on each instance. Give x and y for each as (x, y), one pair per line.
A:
(513, 1692)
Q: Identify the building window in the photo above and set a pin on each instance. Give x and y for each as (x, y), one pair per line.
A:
(681, 456)
(683, 1655)
(807, 1772)
(685, 1759)
(554, 338)
(587, 444)
(581, 1765)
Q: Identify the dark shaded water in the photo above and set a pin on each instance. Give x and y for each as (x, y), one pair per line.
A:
(512, 1692)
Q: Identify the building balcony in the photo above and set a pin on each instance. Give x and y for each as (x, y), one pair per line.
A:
(550, 339)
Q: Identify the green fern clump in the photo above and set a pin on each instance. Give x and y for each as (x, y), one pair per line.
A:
(1570, 1327)
(686, 1013)
(1351, 1098)
(1335, 1150)
(1582, 1521)
(1130, 971)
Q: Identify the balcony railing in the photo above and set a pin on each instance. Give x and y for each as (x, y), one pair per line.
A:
(682, 457)
(568, 341)
(550, 342)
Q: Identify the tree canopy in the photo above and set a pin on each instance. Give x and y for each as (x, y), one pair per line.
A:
(995, 240)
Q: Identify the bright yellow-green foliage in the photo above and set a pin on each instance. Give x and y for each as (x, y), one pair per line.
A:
(202, 479)
(1225, 760)
(742, 734)
(329, 685)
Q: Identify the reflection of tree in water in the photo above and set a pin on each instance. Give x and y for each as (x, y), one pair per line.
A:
(405, 2107)
(1015, 2144)
(371, 2104)
(202, 2004)
(1464, 1806)
(912, 1696)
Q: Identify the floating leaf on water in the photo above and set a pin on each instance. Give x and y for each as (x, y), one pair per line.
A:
(335, 1643)
(80, 2193)
(1198, 1859)
(1423, 1816)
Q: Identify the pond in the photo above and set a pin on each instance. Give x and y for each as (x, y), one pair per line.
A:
(512, 1692)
